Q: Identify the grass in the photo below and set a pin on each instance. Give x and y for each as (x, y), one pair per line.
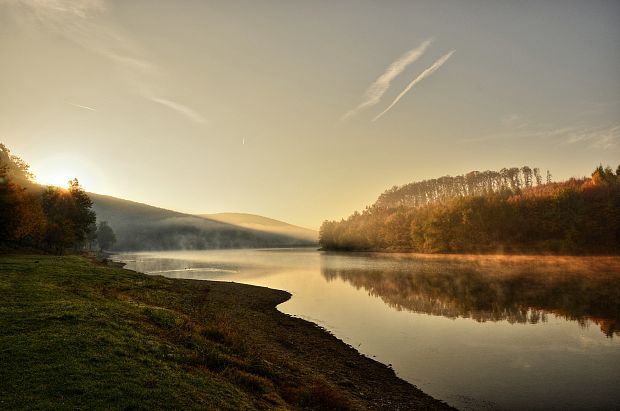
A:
(78, 335)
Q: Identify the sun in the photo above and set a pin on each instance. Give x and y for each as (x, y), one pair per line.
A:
(59, 169)
(57, 178)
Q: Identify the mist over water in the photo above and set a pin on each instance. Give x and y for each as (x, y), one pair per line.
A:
(478, 331)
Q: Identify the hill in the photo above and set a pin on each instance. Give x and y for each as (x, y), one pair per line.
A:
(265, 224)
(140, 226)
(24, 222)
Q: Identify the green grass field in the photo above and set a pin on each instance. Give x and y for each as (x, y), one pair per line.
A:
(75, 334)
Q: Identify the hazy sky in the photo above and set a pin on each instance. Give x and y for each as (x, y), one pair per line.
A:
(304, 110)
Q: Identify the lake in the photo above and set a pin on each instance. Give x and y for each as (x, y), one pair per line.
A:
(480, 332)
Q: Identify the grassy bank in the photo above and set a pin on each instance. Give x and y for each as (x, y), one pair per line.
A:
(73, 334)
(76, 334)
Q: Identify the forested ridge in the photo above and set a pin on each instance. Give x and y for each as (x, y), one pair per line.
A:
(511, 210)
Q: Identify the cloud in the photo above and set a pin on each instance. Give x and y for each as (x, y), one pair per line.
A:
(512, 120)
(595, 137)
(434, 67)
(47, 11)
(83, 22)
(180, 108)
(375, 91)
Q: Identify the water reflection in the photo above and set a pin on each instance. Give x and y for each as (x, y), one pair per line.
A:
(478, 332)
(516, 289)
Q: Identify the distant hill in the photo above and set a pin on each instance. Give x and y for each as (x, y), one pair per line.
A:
(143, 227)
(265, 224)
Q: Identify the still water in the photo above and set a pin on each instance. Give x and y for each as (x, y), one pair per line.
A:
(477, 332)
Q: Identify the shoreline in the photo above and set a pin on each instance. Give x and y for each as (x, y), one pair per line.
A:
(317, 353)
(531, 254)
(367, 383)
(480, 257)
(90, 335)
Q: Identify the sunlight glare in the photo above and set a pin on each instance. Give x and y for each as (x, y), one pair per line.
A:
(57, 178)
(58, 169)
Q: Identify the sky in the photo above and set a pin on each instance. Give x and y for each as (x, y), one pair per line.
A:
(304, 110)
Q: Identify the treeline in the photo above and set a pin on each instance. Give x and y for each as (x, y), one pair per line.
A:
(505, 211)
(474, 183)
(51, 219)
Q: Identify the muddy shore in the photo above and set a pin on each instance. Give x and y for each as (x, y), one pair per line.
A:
(310, 352)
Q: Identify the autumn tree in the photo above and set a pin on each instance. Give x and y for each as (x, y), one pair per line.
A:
(30, 221)
(21, 217)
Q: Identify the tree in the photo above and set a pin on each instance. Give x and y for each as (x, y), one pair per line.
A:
(60, 231)
(30, 219)
(14, 168)
(22, 220)
(105, 236)
(13, 175)
(537, 176)
(69, 214)
(8, 206)
(81, 212)
(527, 176)
(91, 236)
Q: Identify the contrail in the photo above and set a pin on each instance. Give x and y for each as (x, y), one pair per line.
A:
(180, 108)
(415, 81)
(375, 91)
(84, 107)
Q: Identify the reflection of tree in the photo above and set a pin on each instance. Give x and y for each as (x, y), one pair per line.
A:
(486, 289)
